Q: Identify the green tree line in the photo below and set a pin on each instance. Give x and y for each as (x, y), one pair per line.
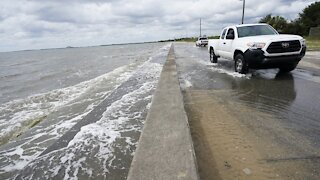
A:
(309, 17)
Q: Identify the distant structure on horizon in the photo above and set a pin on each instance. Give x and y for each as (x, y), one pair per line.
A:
(200, 30)
(200, 27)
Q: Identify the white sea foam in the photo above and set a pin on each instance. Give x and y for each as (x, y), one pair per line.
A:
(34, 106)
(188, 83)
(266, 73)
(101, 134)
(104, 133)
(230, 73)
(19, 113)
(216, 68)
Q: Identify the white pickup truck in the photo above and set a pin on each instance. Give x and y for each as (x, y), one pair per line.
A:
(202, 41)
(257, 46)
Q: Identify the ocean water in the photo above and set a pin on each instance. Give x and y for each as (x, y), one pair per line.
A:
(44, 93)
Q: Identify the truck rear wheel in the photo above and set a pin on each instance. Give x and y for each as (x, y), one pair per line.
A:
(240, 64)
(213, 57)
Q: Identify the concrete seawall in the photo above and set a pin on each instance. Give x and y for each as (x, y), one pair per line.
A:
(165, 149)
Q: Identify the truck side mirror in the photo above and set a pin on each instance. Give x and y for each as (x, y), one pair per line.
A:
(230, 36)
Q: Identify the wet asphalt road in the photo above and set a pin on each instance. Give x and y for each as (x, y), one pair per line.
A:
(280, 112)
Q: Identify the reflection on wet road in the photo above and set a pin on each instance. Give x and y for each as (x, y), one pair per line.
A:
(260, 125)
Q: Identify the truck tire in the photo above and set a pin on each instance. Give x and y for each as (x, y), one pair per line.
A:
(287, 68)
(240, 64)
(213, 57)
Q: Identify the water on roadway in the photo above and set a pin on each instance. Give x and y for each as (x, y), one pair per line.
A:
(257, 126)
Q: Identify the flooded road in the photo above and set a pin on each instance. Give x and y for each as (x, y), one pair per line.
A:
(262, 125)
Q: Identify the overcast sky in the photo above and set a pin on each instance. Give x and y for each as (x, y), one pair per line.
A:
(37, 24)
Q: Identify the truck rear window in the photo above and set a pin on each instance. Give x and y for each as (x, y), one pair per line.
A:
(257, 30)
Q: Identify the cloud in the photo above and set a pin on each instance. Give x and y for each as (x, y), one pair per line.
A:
(33, 24)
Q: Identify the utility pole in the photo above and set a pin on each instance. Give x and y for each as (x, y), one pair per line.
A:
(244, 4)
(200, 27)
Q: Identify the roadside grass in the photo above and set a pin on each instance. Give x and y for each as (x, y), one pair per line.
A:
(313, 44)
(188, 39)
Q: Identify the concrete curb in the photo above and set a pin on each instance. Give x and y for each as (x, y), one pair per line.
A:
(165, 149)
